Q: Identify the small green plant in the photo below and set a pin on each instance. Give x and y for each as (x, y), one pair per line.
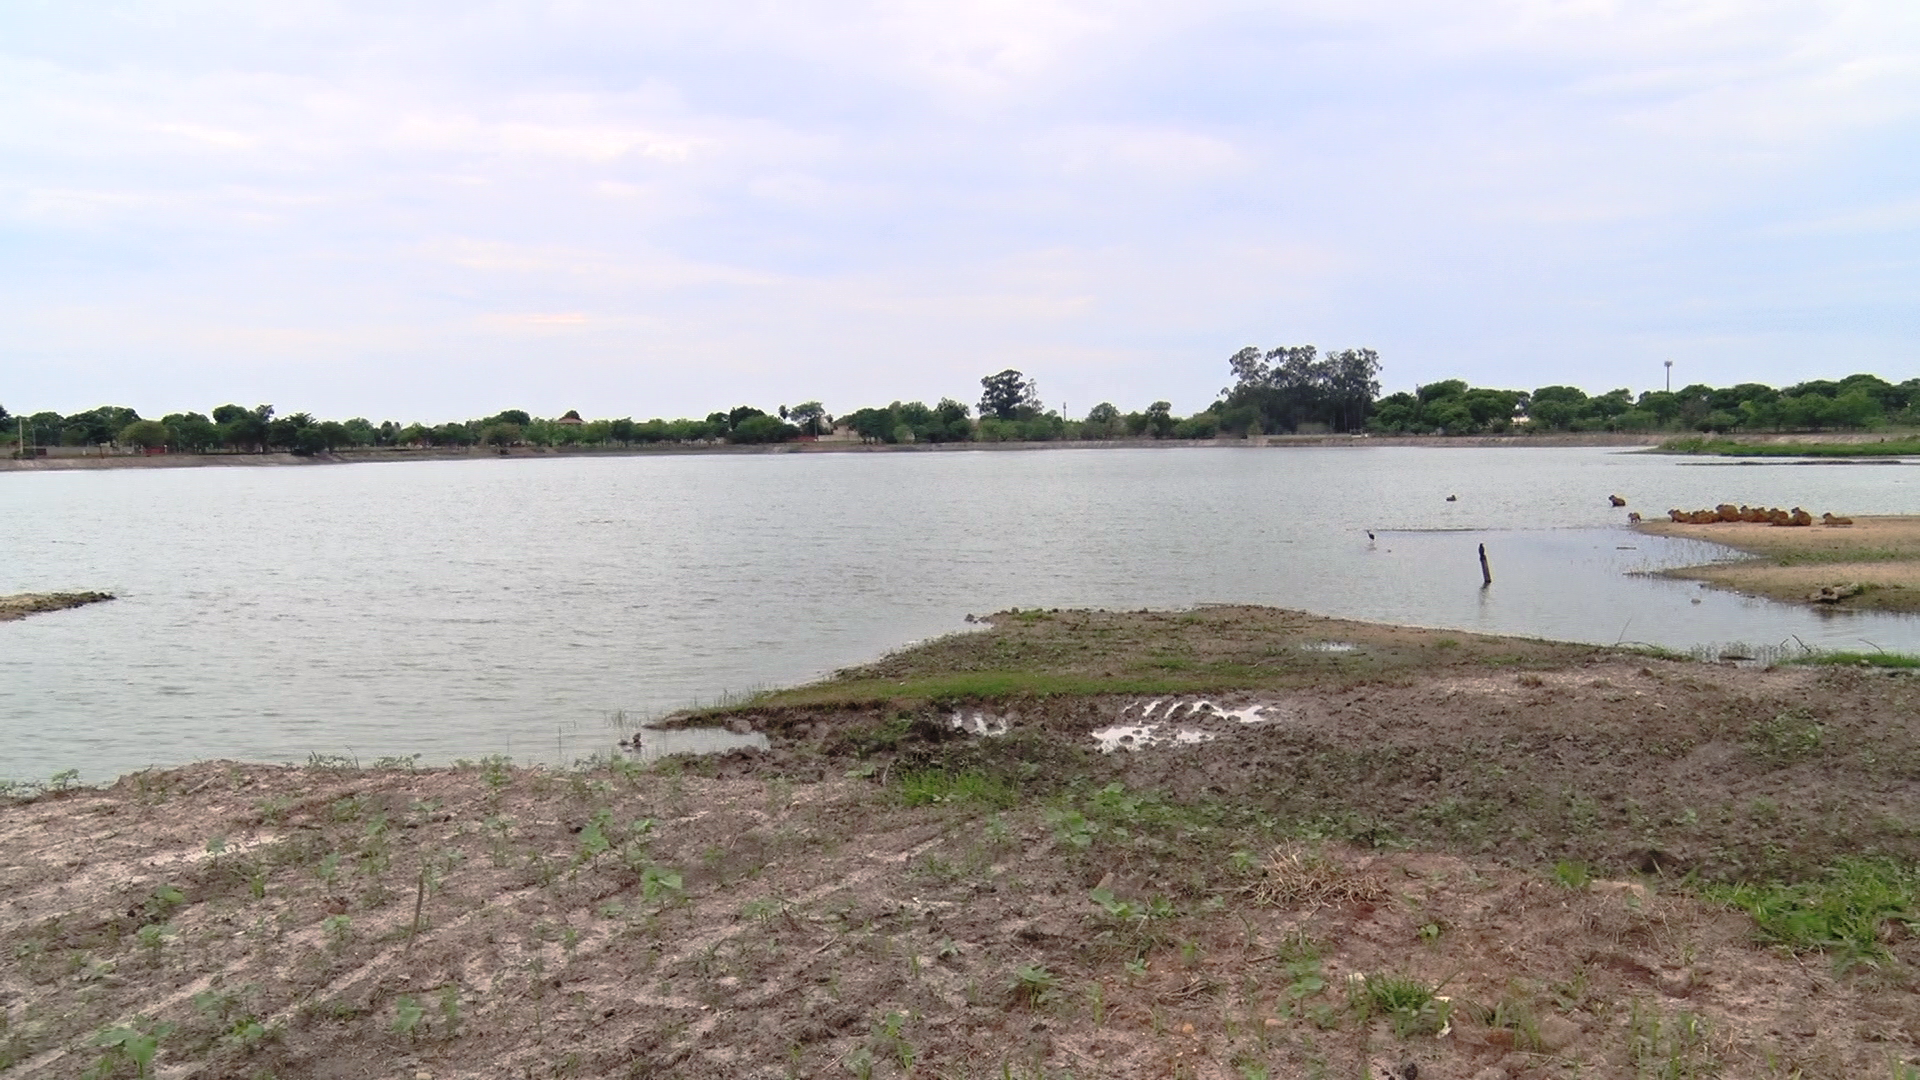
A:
(406, 1015)
(1034, 986)
(338, 930)
(1670, 1048)
(657, 881)
(1788, 737)
(1573, 875)
(450, 1009)
(135, 1043)
(1413, 1006)
(1071, 827)
(63, 781)
(153, 937)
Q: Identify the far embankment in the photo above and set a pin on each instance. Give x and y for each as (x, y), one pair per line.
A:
(1871, 564)
(130, 459)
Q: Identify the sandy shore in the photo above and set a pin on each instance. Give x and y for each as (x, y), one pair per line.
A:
(1880, 554)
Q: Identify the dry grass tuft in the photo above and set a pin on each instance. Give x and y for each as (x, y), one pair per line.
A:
(1298, 875)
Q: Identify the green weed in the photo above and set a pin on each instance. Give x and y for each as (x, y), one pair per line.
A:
(1843, 912)
(937, 787)
(135, 1044)
(1034, 986)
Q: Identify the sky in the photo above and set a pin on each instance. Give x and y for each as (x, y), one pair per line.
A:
(432, 210)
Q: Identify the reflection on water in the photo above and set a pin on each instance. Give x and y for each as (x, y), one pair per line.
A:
(454, 609)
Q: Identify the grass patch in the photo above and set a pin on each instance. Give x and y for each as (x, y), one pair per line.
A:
(1904, 447)
(1903, 661)
(1844, 912)
(936, 787)
(1208, 650)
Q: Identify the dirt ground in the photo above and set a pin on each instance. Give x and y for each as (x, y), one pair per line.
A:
(1882, 554)
(21, 605)
(1419, 853)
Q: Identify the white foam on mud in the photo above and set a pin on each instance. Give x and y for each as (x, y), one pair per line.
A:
(1124, 737)
(1328, 646)
(1141, 736)
(978, 723)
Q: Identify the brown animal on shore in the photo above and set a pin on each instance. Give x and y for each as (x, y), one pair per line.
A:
(1777, 516)
(1634, 516)
(1704, 517)
(1801, 517)
(1727, 512)
(1755, 514)
(1616, 500)
(1831, 519)
(1679, 516)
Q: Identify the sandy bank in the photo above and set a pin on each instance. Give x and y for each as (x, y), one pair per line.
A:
(21, 605)
(1881, 554)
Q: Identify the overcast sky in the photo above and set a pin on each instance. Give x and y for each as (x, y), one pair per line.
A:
(437, 210)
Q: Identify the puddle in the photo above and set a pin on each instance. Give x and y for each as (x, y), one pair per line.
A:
(978, 723)
(651, 743)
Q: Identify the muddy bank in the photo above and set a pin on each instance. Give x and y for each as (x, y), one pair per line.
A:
(21, 605)
(1879, 555)
(1313, 848)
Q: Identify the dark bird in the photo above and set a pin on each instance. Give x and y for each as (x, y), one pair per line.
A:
(1369, 534)
(1453, 498)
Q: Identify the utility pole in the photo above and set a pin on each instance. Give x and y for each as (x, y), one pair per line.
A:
(1669, 376)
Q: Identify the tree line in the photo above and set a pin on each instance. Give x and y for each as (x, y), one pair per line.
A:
(1289, 389)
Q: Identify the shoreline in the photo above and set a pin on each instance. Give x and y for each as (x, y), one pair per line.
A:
(1491, 857)
(279, 459)
(1877, 556)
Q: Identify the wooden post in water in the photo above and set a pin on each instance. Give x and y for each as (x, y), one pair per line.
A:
(1486, 572)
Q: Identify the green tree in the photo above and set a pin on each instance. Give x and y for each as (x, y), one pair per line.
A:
(761, 428)
(1160, 419)
(810, 417)
(146, 434)
(1009, 396)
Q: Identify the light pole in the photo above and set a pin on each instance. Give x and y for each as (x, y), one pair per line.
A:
(1669, 376)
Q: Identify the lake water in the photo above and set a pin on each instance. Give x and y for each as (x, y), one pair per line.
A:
(456, 609)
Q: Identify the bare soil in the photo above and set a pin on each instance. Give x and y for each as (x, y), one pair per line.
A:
(1882, 554)
(21, 605)
(1526, 833)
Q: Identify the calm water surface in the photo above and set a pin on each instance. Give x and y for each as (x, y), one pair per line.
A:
(454, 609)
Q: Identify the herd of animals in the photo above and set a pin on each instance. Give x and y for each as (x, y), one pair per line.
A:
(1757, 515)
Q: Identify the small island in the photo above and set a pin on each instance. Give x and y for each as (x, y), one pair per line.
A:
(21, 605)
